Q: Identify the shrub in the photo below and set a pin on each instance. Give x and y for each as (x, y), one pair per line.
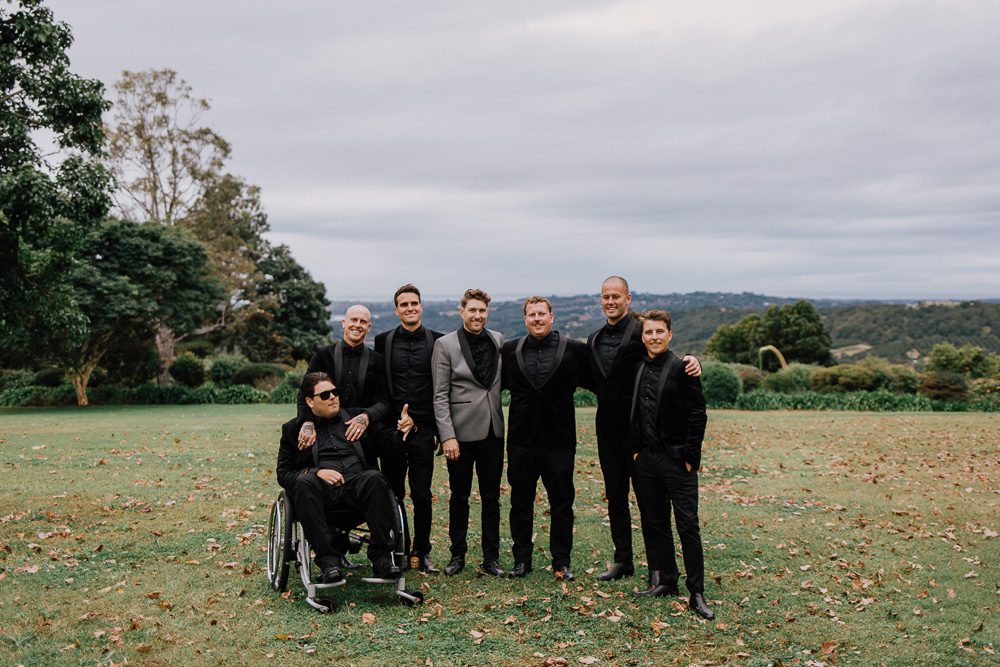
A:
(200, 348)
(944, 386)
(721, 383)
(240, 393)
(19, 397)
(750, 376)
(261, 376)
(224, 367)
(49, 377)
(188, 370)
(288, 390)
(16, 378)
(791, 380)
(984, 392)
(903, 380)
(584, 398)
(868, 401)
(159, 394)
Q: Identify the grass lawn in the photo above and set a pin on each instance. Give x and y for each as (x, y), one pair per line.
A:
(136, 536)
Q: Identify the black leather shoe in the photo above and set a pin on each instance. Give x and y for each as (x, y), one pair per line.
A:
(331, 575)
(491, 567)
(520, 569)
(563, 573)
(346, 564)
(617, 571)
(659, 586)
(698, 605)
(387, 570)
(424, 563)
(456, 565)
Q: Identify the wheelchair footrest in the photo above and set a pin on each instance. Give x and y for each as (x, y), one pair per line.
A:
(376, 580)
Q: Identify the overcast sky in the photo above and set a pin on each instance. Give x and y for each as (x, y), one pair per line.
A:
(824, 148)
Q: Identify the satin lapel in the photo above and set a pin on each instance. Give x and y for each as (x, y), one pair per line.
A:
(467, 353)
(560, 352)
(519, 355)
(338, 364)
(626, 337)
(430, 344)
(592, 344)
(635, 389)
(363, 369)
(388, 359)
(663, 380)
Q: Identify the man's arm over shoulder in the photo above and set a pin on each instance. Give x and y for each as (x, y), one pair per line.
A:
(697, 418)
(441, 370)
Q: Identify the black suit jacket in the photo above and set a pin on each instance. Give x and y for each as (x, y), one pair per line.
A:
(383, 346)
(614, 387)
(680, 411)
(543, 416)
(292, 460)
(373, 393)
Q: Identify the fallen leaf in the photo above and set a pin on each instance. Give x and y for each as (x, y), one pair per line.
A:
(368, 618)
(589, 660)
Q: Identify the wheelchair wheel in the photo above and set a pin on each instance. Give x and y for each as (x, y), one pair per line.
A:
(417, 598)
(402, 534)
(279, 543)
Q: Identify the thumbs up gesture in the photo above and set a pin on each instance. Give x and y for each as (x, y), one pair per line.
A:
(405, 422)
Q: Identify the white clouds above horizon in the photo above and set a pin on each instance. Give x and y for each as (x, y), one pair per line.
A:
(833, 148)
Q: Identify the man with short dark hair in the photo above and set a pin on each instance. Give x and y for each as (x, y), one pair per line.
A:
(542, 371)
(330, 475)
(407, 350)
(616, 349)
(668, 425)
(467, 368)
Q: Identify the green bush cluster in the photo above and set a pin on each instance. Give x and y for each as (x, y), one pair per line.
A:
(866, 401)
(872, 374)
(944, 386)
(16, 378)
(288, 390)
(750, 376)
(584, 398)
(261, 375)
(721, 383)
(144, 394)
(188, 369)
(224, 367)
(792, 380)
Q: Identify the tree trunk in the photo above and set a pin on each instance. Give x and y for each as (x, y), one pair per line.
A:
(165, 342)
(80, 380)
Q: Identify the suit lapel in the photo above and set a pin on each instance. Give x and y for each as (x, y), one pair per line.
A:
(635, 388)
(338, 364)
(667, 369)
(542, 381)
(592, 344)
(626, 338)
(363, 369)
(519, 355)
(388, 359)
(467, 353)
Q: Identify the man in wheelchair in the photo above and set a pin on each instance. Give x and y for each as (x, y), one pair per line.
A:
(331, 479)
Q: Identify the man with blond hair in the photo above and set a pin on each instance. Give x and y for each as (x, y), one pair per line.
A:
(466, 366)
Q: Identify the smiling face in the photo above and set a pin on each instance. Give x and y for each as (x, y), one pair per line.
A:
(357, 323)
(323, 408)
(408, 310)
(656, 337)
(615, 299)
(538, 319)
(474, 315)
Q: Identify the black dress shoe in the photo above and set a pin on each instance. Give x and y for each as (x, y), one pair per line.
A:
(424, 563)
(520, 569)
(346, 564)
(331, 575)
(387, 571)
(617, 571)
(563, 573)
(698, 605)
(456, 565)
(659, 586)
(492, 568)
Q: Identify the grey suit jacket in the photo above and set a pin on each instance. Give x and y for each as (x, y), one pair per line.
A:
(463, 408)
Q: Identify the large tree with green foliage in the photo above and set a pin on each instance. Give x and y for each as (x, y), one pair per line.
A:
(127, 279)
(795, 329)
(53, 187)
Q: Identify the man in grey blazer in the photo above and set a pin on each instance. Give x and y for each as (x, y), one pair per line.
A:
(466, 370)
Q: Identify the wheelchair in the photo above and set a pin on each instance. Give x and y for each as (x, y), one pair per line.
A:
(287, 546)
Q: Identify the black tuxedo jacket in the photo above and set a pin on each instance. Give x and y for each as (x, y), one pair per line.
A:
(614, 386)
(680, 411)
(373, 393)
(543, 416)
(292, 460)
(383, 346)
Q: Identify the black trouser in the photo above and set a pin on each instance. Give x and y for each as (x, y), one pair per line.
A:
(364, 495)
(615, 455)
(416, 454)
(555, 468)
(663, 483)
(487, 457)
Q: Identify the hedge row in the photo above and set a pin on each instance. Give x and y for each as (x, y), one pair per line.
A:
(146, 394)
(861, 401)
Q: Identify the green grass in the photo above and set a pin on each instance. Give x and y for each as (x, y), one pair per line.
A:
(137, 534)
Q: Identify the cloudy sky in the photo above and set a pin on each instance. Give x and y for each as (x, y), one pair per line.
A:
(825, 148)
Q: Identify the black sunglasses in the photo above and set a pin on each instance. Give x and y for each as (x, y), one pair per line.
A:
(325, 395)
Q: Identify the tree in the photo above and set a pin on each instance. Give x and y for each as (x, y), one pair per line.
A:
(795, 329)
(736, 343)
(128, 278)
(53, 188)
(298, 303)
(161, 156)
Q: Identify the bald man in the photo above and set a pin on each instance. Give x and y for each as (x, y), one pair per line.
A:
(359, 373)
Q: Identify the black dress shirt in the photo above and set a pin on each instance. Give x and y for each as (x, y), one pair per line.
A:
(648, 432)
(540, 356)
(484, 356)
(348, 390)
(333, 449)
(609, 340)
(411, 375)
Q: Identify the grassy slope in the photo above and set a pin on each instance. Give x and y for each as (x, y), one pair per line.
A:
(836, 538)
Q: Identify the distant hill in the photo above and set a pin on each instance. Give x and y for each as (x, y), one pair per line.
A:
(901, 332)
